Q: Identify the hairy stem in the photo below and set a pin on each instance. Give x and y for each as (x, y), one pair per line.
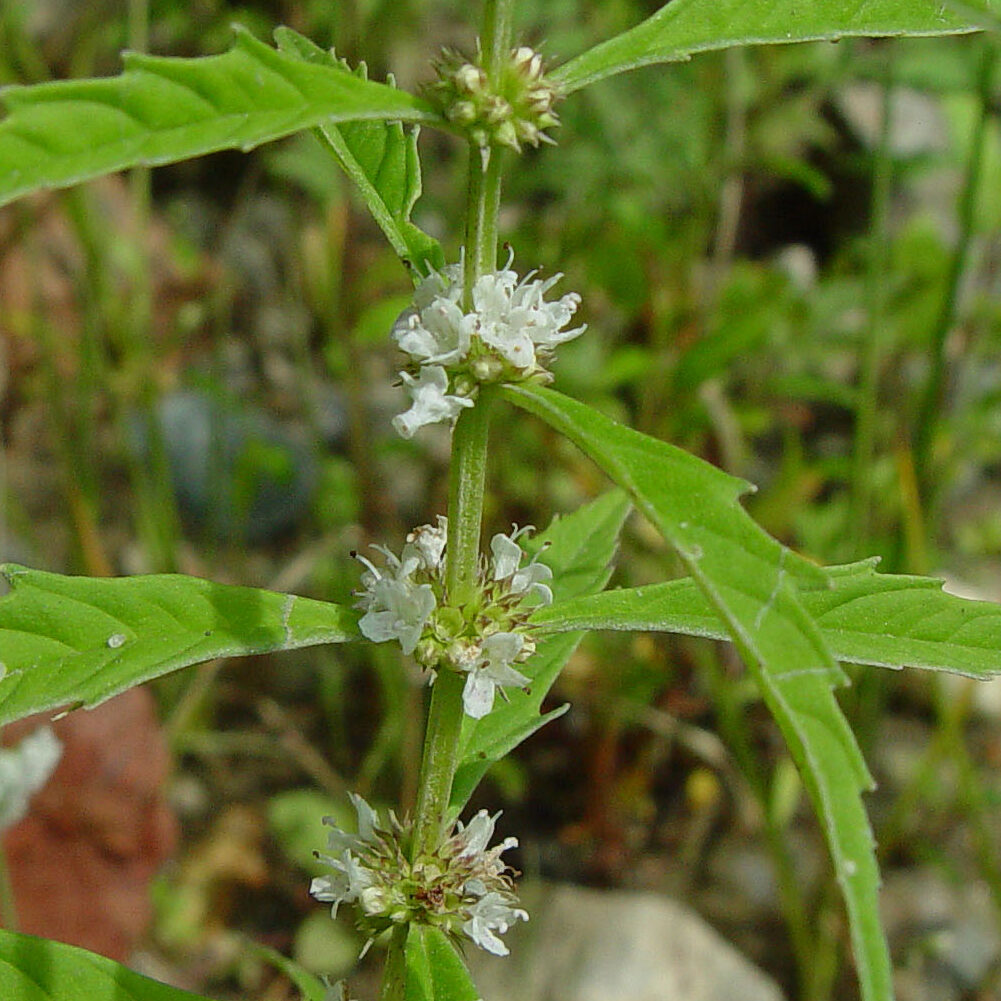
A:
(467, 480)
(483, 194)
(394, 977)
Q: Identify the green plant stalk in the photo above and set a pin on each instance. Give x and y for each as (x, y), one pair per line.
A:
(467, 481)
(495, 36)
(931, 398)
(465, 514)
(394, 978)
(483, 200)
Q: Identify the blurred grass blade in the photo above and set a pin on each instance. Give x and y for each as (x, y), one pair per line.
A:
(749, 580)
(165, 109)
(381, 158)
(435, 970)
(81, 640)
(580, 551)
(308, 984)
(886, 620)
(36, 969)
(684, 27)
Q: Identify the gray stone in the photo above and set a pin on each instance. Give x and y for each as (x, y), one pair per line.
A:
(237, 473)
(917, 122)
(615, 945)
(945, 931)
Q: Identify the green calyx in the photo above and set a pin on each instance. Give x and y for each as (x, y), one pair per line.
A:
(453, 636)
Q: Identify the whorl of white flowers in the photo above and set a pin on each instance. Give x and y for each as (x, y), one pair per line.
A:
(509, 335)
(462, 887)
(405, 600)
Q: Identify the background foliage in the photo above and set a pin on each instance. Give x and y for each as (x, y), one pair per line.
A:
(790, 272)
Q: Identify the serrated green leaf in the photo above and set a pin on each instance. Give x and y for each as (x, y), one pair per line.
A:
(749, 579)
(382, 159)
(81, 640)
(684, 27)
(579, 551)
(36, 969)
(165, 109)
(865, 617)
(435, 970)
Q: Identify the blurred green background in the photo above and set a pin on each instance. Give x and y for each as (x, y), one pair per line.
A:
(788, 259)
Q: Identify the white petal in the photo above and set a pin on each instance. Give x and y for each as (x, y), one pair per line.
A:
(428, 543)
(502, 648)
(533, 578)
(477, 834)
(507, 555)
(490, 912)
(431, 403)
(367, 819)
(478, 695)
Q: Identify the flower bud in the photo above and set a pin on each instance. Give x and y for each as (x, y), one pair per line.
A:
(470, 79)
(462, 113)
(507, 112)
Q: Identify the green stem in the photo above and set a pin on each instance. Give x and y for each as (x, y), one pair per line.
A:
(932, 396)
(394, 977)
(465, 498)
(467, 481)
(483, 195)
(495, 36)
(465, 511)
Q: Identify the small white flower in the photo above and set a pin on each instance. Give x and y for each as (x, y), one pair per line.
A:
(471, 840)
(350, 877)
(367, 819)
(427, 542)
(507, 554)
(333, 889)
(399, 611)
(499, 652)
(431, 401)
(396, 608)
(532, 578)
(24, 770)
(492, 912)
(515, 319)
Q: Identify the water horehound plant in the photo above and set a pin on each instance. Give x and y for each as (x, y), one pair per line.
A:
(492, 629)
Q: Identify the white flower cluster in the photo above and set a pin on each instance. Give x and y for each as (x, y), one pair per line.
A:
(462, 886)
(405, 601)
(24, 770)
(508, 336)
